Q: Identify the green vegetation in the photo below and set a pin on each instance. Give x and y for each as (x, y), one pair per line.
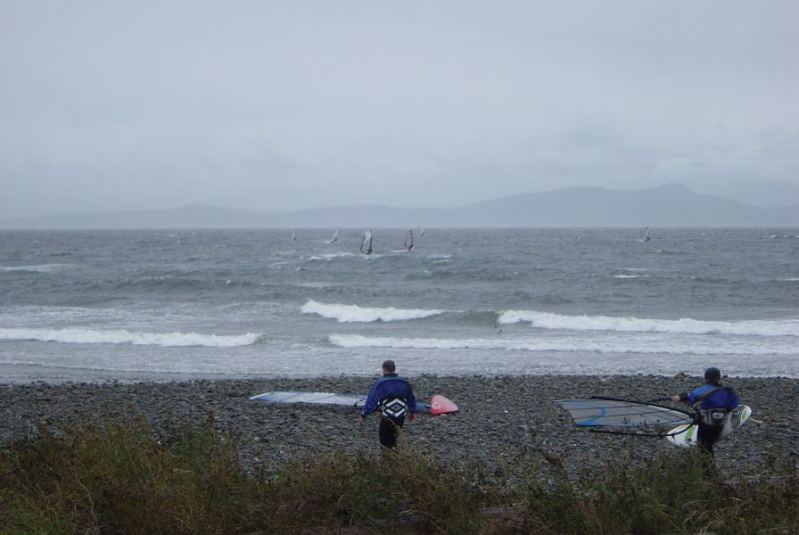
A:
(119, 478)
(680, 493)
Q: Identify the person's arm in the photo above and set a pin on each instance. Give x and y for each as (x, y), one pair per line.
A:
(411, 401)
(371, 401)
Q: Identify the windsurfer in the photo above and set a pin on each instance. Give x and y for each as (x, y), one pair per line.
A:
(409, 242)
(366, 243)
(712, 403)
(393, 397)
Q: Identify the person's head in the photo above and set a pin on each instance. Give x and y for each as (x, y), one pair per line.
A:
(389, 367)
(712, 376)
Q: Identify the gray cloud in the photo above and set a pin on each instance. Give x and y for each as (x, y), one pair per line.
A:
(109, 105)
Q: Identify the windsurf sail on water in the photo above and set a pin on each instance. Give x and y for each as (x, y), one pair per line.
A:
(334, 238)
(366, 242)
(647, 235)
(625, 417)
(438, 404)
(293, 236)
(409, 241)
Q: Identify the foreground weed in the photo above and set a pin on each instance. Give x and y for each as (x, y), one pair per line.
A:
(119, 477)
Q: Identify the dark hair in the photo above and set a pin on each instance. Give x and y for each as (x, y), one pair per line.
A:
(389, 366)
(712, 376)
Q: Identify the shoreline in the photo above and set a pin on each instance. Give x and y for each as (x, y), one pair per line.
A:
(100, 377)
(505, 423)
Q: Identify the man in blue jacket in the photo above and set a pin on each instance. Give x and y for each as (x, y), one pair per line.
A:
(393, 397)
(711, 401)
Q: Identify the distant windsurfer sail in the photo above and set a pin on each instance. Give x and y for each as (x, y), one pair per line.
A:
(647, 235)
(366, 243)
(409, 246)
(334, 238)
(625, 417)
(293, 236)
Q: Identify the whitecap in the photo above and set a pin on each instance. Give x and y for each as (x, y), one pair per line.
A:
(38, 268)
(118, 336)
(356, 314)
(327, 257)
(548, 320)
(594, 344)
(314, 284)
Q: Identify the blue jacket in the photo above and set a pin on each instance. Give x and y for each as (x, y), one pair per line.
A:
(723, 398)
(388, 387)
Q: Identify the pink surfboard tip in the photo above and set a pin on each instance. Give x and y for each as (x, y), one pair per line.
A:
(441, 405)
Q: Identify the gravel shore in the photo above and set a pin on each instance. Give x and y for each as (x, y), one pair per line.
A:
(505, 426)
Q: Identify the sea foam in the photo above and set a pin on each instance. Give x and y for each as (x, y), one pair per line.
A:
(594, 344)
(330, 256)
(356, 314)
(548, 320)
(38, 268)
(95, 336)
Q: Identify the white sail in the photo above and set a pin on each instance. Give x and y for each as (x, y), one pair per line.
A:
(293, 236)
(366, 242)
(334, 239)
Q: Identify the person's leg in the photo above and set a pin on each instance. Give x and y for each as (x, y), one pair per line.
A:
(701, 438)
(708, 435)
(705, 440)
(388, 433)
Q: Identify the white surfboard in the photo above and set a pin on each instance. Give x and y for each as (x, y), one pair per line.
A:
(686, 436)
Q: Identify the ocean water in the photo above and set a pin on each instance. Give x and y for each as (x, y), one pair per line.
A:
(86, 305)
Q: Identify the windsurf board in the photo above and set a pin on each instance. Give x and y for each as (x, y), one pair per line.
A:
(686, 436)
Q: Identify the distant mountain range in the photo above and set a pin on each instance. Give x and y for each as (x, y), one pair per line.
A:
(671, 205)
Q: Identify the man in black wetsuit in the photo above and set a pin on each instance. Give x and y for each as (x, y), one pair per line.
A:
(711, 401)
(393, 397)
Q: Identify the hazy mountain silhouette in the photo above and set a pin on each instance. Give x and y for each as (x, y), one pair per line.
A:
(671, 205)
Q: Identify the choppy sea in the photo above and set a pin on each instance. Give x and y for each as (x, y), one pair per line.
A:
(87, 305)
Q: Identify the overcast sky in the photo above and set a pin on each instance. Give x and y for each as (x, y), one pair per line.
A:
(283, 105)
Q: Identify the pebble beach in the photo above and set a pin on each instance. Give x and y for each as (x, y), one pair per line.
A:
(505, 427)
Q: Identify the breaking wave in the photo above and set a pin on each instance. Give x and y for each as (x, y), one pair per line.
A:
(39, 268)
(92, 336)
(609, 344)
(330, 256)
(548, 320)
(356, 314)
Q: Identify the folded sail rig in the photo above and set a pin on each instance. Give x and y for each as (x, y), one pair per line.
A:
(438, 404)
(626, 417)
